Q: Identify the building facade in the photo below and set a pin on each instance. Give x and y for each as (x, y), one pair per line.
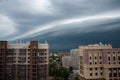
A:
(66, 61)
(74, 58)
(99, 62)
(23, 61)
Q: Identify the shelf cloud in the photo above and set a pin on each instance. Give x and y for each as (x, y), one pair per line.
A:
(53, 25)
(53, 20)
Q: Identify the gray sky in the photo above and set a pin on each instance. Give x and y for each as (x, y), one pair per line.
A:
(55, 19)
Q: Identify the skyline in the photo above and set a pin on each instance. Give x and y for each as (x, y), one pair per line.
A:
(64, 24)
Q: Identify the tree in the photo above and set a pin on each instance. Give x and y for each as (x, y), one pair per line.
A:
(71, 69)
(76, 78)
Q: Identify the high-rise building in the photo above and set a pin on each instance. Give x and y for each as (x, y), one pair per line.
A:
(99, 62)
(23, 61)
(66, 61)
(74, 58)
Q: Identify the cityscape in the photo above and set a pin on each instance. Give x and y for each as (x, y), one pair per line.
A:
(33, 61)
(59, 39)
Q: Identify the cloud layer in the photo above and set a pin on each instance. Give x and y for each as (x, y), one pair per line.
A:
(30, 19)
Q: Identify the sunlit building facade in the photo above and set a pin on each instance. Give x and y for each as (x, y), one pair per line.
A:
(99, 62)
(23, 61)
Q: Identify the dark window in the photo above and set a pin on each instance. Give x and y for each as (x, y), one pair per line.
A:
(95, 68)
(110, 72)
(114, 62)
(95, 57)
(113, 58)
(45, 49)
(96, 73)
(115, 72)
(90, 57)
(109, 58)
(90, 74)
(101, 73)
(90, 69)
(95, 62)
(118, 57)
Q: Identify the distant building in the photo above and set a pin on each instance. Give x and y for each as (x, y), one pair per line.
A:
(66, 61)
(74, 58)
(99, 62)
(23, 61)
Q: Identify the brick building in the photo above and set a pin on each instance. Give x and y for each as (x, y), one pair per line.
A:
(23, 61)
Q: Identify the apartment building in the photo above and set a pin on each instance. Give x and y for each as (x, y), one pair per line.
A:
(66, 61)
(74, 58)
(23, 61)
(99, 62)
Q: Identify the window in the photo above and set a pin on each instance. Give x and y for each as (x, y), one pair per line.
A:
(90, 74)
(90, 58)
(96, 74)
(45, 53)
(45, 49)
(95, 68)
(109, 58)
(90, 69)
(95, 57)
(110, 72)
(100, 62)
(113, 58)
(118, 57)
(101, 73)
(22, 51)
(9, 59)
(114, 62)
(115, 72)
(95, 62)
(10, 52)
(90, 63)
(22, 59)
(40, 53)
(101, 68)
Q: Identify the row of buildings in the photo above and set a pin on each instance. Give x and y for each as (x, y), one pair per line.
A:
(95, 62)
(24, 61)
(71, 60)
(29, 61)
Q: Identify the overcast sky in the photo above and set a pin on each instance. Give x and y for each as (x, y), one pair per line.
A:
(65, 24)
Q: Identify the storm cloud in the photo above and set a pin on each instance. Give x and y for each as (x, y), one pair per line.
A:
(64, 24)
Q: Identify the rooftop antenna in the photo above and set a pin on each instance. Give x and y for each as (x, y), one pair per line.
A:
(100, 43)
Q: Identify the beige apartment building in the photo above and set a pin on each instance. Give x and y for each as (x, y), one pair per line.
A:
(99, 62)
(66, 61)
(74, 58)
(24, 61)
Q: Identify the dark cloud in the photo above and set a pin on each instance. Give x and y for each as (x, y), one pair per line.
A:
(26, 17)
